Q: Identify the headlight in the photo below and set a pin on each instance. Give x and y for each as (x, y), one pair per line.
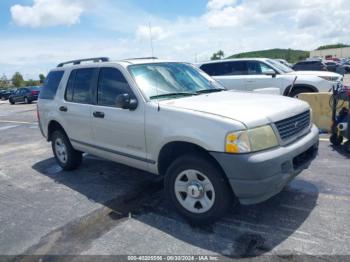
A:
(251, 140)
(330, 78)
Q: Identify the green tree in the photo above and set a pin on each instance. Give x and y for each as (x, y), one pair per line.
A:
(218, 55)
(32, 82)
(17, 80)
(4, 83)
(42, 78)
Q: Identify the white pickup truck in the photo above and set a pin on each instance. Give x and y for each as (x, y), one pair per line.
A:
(211, 145)
(256, 74)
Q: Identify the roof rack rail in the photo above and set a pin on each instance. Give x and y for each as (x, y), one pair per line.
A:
(77, 62)
(140, 58)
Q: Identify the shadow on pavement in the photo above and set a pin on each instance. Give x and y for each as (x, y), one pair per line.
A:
(341, 150)
(246, 231)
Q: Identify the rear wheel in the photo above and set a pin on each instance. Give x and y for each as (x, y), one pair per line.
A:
(198, 189)
(67, 157)
(11, 101)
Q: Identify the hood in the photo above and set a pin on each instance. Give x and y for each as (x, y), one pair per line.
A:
(314, 73)
(248, 108)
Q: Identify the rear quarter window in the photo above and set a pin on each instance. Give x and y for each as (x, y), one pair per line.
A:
(51, 84)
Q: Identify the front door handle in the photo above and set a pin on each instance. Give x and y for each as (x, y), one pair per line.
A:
(98, 114)
(63, 109)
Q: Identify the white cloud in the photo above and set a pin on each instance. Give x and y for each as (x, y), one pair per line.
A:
(144, 32)
(219, 4)
(45, 13)
(233, 26)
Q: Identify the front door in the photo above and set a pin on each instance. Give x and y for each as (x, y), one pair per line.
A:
(118, 132)
(258, 78)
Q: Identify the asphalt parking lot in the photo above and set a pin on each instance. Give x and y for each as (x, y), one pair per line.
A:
(106, 208)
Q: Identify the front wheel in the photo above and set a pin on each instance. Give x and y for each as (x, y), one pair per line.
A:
(298, 90)
(67, 157)
(198, 189)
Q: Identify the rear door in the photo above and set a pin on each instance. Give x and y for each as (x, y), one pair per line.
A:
(231, 74)
(75, 109)
(118, 132)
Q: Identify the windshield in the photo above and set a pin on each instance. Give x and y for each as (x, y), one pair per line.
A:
(171, 80)
(280, 66)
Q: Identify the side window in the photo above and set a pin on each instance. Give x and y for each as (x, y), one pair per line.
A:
(82, 83)
(213, 69)
(79, 84)
(111, 84)
(70, 86)
(237, 68)
(51, 84)
(258, 68)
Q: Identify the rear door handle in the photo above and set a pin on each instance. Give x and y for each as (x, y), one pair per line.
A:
(63, 109)
(98, 114)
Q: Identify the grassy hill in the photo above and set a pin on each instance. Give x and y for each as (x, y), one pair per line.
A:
(290, 55)
(332, 46)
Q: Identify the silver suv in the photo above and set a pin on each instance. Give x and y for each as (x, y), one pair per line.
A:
(211, 145)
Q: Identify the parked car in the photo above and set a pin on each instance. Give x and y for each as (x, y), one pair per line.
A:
(335, 67)
(5, 94)
(25, 94)
(251, 74)
(212, 146)
(284, 62)
(346, 66)
(310, 65)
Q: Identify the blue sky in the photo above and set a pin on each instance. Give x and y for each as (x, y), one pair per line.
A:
(35, 35)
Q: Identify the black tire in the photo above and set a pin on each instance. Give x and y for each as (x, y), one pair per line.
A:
(73, 157)
(11, 101)
(336, 140)
(298, 90)
(223, 194)
(347, 147)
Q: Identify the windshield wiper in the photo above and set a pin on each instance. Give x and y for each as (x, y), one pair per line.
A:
(206, 91)
(174, 94)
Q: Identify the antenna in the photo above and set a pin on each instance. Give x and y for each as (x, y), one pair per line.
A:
(151, 38)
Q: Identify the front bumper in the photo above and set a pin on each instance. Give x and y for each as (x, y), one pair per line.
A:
(255, 177)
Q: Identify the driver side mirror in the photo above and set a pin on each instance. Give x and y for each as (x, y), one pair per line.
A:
(124, 101)
(270, 72)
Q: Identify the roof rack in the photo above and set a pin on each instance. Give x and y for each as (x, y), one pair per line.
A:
(140, 58)
(78, 62)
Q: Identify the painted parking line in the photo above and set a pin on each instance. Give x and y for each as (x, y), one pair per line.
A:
(18, 122)
(324, 139)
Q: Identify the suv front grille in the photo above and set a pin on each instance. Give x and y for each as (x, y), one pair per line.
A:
(290, 127)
